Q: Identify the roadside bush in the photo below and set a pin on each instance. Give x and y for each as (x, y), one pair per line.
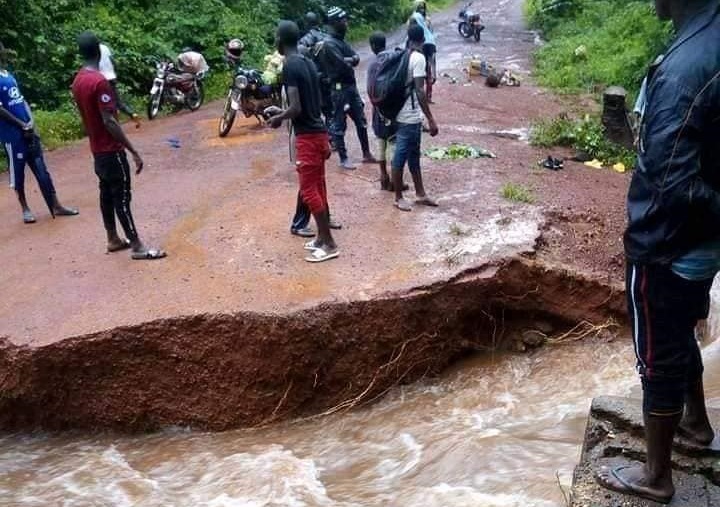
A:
(596, 43)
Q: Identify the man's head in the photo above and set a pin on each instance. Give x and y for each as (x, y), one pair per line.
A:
(421, 7)
(287, 36)
(312, 20)
(416, 37)
(338, 20)
(378, 42)
(89, 47)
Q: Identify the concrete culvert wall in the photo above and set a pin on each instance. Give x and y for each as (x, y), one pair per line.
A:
(227, 371)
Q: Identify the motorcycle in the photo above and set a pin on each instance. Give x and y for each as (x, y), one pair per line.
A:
(180, 89)
(470, 24)
(249, 94)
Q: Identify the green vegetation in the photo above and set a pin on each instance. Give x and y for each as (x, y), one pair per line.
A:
(43, 34)
(584, 136)
(595, 43)
(517, 193)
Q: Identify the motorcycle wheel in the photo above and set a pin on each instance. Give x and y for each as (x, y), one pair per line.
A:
(154, 105)
(195, 98)
(465, 30)
(478, 34)
(227, 119)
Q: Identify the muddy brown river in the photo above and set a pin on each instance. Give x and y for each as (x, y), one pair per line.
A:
(496, 430)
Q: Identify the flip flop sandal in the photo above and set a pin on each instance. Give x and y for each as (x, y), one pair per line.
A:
(335, 226)
(67, 212)
(149, 255)
(320, 255)
(403, 205)
(313, 245)
(426, 201)
(305, 232)
(629, 489)
(28, 217)
(119, 248)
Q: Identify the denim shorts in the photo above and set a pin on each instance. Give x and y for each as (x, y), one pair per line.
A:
(407, 147)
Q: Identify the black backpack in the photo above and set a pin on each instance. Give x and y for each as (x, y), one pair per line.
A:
(387, 82)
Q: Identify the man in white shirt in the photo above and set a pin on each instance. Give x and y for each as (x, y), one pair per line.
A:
(409, 124)
(107, 69)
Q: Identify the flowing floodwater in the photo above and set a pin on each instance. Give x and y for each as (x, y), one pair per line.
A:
(498, 430)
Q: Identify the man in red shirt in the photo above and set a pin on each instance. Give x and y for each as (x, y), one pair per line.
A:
(108, 142)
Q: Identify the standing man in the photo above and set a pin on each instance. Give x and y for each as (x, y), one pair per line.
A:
(311, 45)
(409, 125)
(302, 85)
(672, 242)
(22, 145)
(96, 102)
(429, 48)
(339, 60)
(107, 69)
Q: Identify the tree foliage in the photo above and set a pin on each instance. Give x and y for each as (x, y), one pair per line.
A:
(43, 33)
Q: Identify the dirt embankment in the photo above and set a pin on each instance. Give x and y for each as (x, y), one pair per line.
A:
(225, 371)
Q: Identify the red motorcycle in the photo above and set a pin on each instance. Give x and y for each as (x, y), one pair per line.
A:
(180, 89)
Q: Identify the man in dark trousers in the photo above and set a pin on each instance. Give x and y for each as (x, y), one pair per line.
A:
(22, 145)
(339, 60)
(96, 101)
(301, 81)
(672, 243)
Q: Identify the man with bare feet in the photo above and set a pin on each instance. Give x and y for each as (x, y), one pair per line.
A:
(96, 102)
(673, 243)
(302, 84)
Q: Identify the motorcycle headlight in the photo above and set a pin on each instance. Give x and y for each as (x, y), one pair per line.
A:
(241, 82)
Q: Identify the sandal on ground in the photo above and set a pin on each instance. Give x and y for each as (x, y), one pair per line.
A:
(347, 165)
(627, 488)
(426, 201)
(403, 205)
(119, 247)
(305, 232)
(149, 255)
(28, 217)
(322, 255)
(336, 226)
(313, 245)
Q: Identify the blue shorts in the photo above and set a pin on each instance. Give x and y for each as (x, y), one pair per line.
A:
(407, 147)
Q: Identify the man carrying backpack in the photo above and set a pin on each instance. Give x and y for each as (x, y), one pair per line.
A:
(396, 86)
(340, 60)
(310, 46)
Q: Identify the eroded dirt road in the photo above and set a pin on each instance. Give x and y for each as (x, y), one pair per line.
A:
(222, 207)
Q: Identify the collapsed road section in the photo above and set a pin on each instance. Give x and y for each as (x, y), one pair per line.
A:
(243, 370)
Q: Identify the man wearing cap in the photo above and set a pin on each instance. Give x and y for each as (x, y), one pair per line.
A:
(96, 102)
(22, 144)
(339, 60)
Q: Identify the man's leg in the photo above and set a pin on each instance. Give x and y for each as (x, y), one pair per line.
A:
(17, 153)
(414, 144)
(663, 309)
(385, 183)
(357, 114)
(301, 220)
(105, 173)
(339, 126)
(36, 161)
(398, 165)
(122, 195)
(695, 424)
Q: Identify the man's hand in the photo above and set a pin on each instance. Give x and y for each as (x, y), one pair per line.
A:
(433, 128)
(275, 121)
(28, 130)
(139, 164)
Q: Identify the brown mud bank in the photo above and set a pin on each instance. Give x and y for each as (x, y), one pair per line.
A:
(227, 371)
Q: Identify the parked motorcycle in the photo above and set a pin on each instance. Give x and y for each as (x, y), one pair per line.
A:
(180, 89)
(250, 95)
(470, 24)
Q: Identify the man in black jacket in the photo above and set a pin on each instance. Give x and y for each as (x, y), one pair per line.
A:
(339, 60)
(672, 242)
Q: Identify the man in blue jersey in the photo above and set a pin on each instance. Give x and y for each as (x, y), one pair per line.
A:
(22, 144)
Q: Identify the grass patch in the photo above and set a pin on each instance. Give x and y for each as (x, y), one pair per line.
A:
(586, 135)
(458, 231)
(595, 43)
(515, 192)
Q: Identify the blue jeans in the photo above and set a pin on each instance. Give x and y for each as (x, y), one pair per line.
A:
(348, 96)
(20, 152)
(407, 147)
